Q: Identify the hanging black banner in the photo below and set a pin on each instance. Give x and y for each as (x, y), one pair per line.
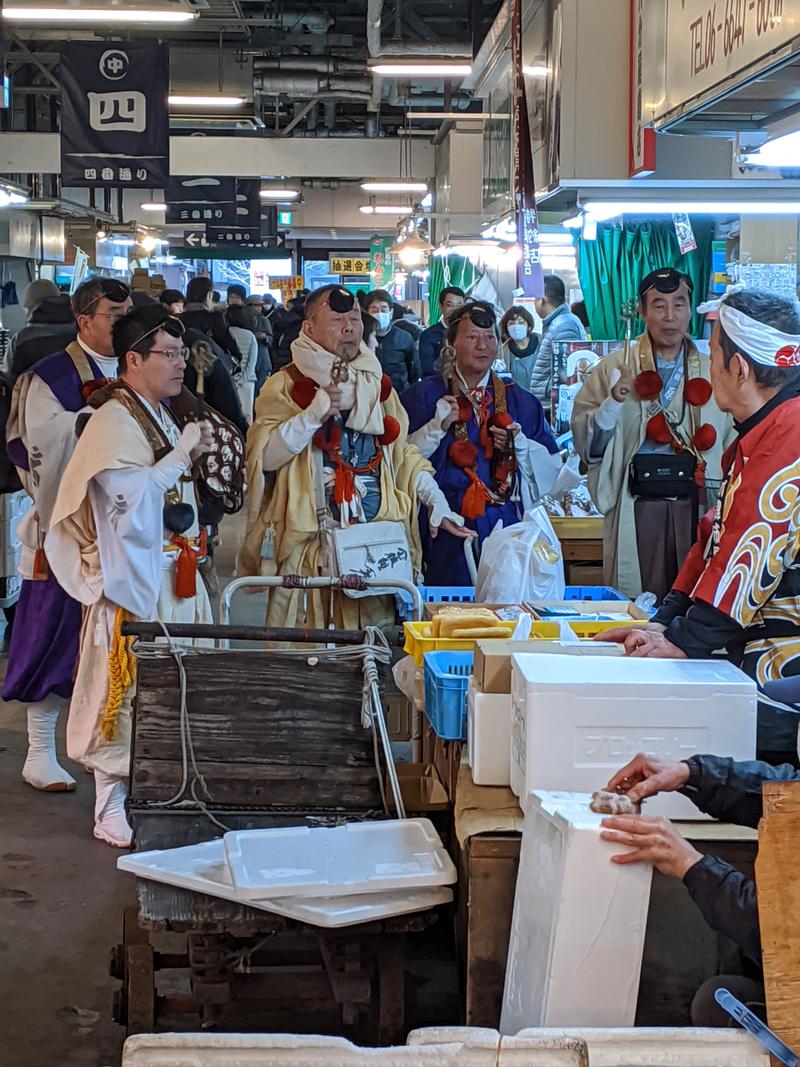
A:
(247, 225)
(530, 277)
(206, 199)
(114, 117)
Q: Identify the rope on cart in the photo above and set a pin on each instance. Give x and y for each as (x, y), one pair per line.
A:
(373, 651)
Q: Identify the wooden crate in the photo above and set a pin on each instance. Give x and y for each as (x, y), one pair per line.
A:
(271, 731)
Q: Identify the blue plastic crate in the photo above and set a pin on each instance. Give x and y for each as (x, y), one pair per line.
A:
(592, 592)
(448, 594)
(446, 683)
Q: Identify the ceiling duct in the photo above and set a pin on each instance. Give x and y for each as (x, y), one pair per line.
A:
(407, 49)
(289, 84)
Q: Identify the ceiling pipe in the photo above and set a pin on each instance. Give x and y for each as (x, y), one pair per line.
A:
(320, 64)
(329, 114)
(309, 84)
(312, 21)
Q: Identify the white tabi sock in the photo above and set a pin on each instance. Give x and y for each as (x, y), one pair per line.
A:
(110, 823)
(42, 769)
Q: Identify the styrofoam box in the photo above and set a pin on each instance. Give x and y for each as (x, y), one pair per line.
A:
(204, 869)
(577, 931)
(573, 728)
(488, 736)
(623, 1047)
(279, 1050)
(361, 857)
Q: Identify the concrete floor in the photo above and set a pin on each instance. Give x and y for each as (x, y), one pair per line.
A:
(61, 903)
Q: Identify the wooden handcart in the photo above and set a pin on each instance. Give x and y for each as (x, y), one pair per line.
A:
(244, 738)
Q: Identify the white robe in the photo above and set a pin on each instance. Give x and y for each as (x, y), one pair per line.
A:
(47, 431)
(118, 558)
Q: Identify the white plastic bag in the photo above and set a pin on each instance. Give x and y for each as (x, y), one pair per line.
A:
(521, 562)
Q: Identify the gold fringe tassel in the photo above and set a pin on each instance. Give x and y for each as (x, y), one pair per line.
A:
(121, 675)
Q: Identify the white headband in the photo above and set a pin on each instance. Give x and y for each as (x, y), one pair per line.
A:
(762, 343)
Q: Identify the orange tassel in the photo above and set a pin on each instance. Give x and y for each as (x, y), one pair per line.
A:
(185, 569)
(473, 506)
(486, 441)
(344, 485)
(700, 477)
(41, 570)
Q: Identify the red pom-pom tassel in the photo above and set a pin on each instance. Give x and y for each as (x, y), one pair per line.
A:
(303, 392)
(391, 431)
(705, 437)
(464, 408)
(502, 420)
(386, 388)
(697, 392)
(658, 429)
(328, 437)
(647, 385)
(91, 387)
(463, 454)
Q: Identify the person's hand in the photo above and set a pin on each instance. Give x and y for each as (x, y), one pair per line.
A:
(623, 387)
(190, 438)
(451, 415)
(500, 435)
(453, 528)
(645, 776)
(206, 440)
(335, 395)
(649, 645)
(622, 635)
(653, 841)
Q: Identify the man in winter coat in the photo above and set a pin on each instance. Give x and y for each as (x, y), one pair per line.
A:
(50, 327)
(397, 350)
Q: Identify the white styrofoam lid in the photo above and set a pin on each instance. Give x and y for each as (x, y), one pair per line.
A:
(363, 857)
(204, 869)
(573, 808)
(632, 671)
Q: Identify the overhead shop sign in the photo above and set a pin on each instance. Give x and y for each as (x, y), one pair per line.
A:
(114, 117)
(712, 46)
(208, 200)
(348, 264)
(246, 225)
(287, 285)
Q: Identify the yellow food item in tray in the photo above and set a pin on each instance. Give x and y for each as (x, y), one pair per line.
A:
(476, 633)
(449, 620)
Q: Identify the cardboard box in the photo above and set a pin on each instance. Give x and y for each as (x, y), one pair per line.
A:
(492, 665)
(423, 792)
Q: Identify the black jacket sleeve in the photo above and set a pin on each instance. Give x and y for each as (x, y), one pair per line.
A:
(731, 791)
(701, 630)
(727, 901)
(220, 393)
(224, 338)
(675, 604)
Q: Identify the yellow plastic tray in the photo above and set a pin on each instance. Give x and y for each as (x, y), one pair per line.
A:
(419, 640)
(551, 631)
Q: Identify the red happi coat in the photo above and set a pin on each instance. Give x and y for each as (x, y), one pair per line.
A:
(746, 563)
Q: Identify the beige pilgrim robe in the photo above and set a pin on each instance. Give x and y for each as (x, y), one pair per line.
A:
(281, 510)
(608, 477)
(107, 547)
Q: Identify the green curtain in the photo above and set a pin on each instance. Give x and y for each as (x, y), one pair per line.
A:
(448, 270)
(611, 267)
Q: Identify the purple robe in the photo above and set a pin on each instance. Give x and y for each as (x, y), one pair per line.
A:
(44, 638)
(443, 556)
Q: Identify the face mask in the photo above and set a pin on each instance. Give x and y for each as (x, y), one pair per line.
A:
(517, 331)
(384, 319)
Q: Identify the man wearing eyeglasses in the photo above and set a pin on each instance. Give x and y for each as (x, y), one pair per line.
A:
(328, 452)
(646, 425)
(46, 405)
(124, 541)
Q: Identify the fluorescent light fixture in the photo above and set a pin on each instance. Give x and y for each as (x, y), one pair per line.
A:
(207, 101)
(610, 209)
(5, 198)
(128, 242)
(279, 194)
(536, 70)
(17, 198)
(96, 14)
(394, 187)
(420, 69)
(781, 151)
(385, 209)
(154, 205)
